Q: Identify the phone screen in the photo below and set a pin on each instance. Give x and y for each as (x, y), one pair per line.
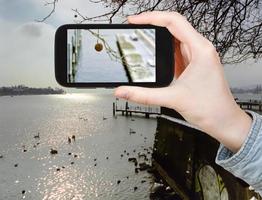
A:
(111, 55)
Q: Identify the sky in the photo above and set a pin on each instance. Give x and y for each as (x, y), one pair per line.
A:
(27, 53)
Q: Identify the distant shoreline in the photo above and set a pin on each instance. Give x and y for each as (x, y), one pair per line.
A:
(24, 90)
(27, 95)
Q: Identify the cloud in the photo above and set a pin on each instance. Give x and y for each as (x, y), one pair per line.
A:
(27, 47)
(31, 30)
(28, 56)
(20, 11)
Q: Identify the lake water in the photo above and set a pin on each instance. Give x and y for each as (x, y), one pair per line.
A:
(99, 135)
(90, 175)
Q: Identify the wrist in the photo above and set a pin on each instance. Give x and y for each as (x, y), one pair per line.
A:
(230, 127)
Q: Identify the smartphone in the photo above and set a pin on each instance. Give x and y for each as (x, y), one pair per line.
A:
(109, 55)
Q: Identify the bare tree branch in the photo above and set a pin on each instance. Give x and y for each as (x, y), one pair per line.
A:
(53, 5)
(233, 26)
(113, 55)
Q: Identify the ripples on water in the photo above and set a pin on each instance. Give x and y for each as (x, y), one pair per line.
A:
(86, 173)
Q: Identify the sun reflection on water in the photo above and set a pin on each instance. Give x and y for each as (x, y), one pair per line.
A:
(61, 185)
(78, 96)
(72, 183)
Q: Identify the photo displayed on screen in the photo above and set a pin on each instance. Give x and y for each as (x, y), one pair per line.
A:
(111, 55)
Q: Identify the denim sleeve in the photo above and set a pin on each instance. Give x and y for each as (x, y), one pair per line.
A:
(246, 164)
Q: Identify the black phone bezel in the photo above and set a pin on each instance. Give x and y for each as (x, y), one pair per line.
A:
(164, 56)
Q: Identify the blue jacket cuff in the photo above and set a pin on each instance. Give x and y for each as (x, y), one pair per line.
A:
(247, 162)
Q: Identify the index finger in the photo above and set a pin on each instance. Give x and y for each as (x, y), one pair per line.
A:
(177, 25)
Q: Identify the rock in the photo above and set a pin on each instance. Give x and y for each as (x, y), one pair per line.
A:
(127, 154)
(136, 170)
(121, 155)
(118, 182)
(169, 189)
(132, 160)
(143, 166)
(143, 181)
(127, 177)
(53, 151)
(158, 188)
(74, 137)
(24, 150)
(58, 169)
(141, 155)
(95, 164)
(37, 136)
(95, 159)
(173, 196)
(72, 163)
(151, 170)
(23, 191)
(16, 165)
(75, 156)
(107, 158)
(159, 191)
(69, 140)
(1, 156)
(69, 154)
(135, 188)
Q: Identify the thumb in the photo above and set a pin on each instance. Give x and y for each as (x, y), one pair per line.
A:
(148, 96)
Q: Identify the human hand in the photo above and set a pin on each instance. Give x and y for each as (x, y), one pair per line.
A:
(199, 91)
